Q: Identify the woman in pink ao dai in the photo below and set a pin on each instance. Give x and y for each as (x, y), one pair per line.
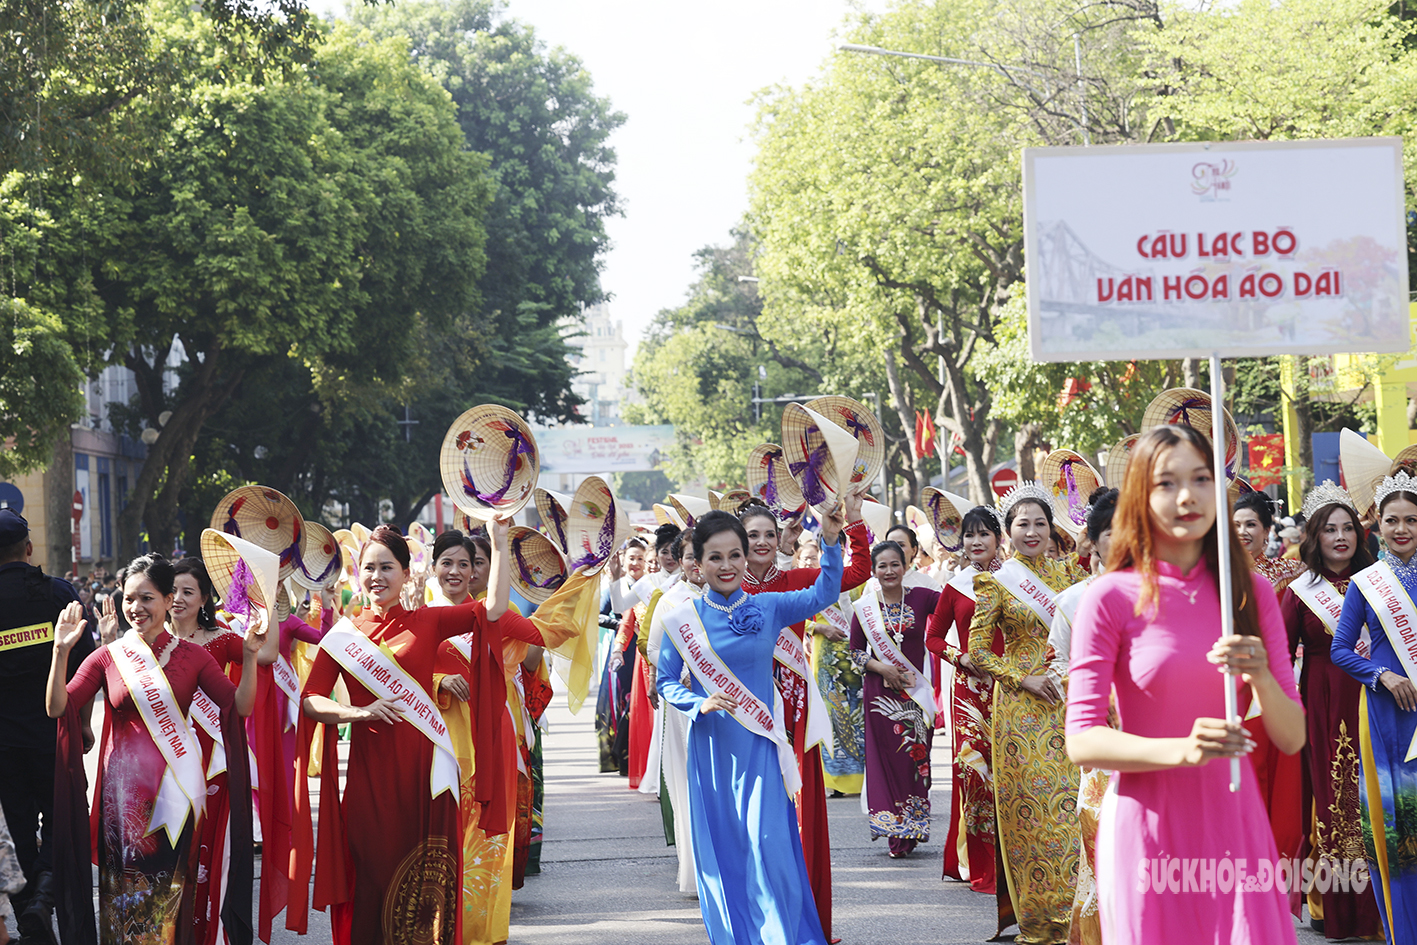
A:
(1180, 858)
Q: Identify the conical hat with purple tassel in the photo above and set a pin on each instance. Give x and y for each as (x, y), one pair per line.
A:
(489, 462)
(821, 456)
(246, 576)
(770, 480)
(320, 562)
(538, 567)
(857, 419)
(595, 526)
(552, 507)
(267, 519)
(1070, 479)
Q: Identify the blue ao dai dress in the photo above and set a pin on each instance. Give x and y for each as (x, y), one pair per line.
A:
(753, 885)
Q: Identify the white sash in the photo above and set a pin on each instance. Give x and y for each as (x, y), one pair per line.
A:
(963, 581)
(289, 684)
(684, 626)
(1027, 588)
(184, 786)
(837, 618)
(205, 713)
(378, 670)
(873, 623)
(1391, 602)
(789, 653)
(1321, 597)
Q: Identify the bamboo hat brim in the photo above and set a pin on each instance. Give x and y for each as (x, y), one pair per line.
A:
(1192, 408)
(691, 508)
(1118, 457)
(820, 455)
(879, 519)
(732, 500)
(361, 532)
(858, 420)
(1363, 467)
(552, 506)
(770, 480)
(420, 532)
(245, 575)
(667, 515)
(944, 515)
(596, 525)
(320, 561)
(538, 567)
(1070, 479)
(267, 519)
(489, 462)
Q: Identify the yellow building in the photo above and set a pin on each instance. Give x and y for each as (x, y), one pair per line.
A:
(1386, 379)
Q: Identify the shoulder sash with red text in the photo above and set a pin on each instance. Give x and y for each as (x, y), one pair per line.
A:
(1028, 589)
(184, 784)
(378, 670)
(868, 611)
(1393, 605)
(789, 653)
(1320, 596)
(686, 629)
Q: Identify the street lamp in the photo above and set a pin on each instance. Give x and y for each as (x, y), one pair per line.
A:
(1006, 71)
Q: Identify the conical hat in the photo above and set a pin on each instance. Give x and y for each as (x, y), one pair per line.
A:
(349, 548)
(265, 518)
(1070, 479)
(320, 560)
(715, 499)
(691, 508)
(417, 556)
(361, 532)
(820, 454)
(1117, 458)
(770, 480)
(538, 568)
(420, 532)
(944, 515)
(1186, 405)
(855, 418)
(1363, 466)
(244, 574)
(667, 515)
(1405, 461)
(879, 519)
(596, 525)
(733, 499)
(489, 462)
(552, 506)
(284, 601)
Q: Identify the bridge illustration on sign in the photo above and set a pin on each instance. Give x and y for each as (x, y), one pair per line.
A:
(1085, 300)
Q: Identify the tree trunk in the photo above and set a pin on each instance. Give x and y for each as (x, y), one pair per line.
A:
(58, 555)
(905, 411)
(157, 494)
(1190, 372)
(1026, 439)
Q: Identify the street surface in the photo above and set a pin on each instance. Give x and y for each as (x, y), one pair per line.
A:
(608, 879)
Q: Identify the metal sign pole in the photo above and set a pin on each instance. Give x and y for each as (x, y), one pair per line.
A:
(1222, 541)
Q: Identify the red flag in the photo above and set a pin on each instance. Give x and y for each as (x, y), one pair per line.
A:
(929, 435)
(1266, 459)
(919, 434)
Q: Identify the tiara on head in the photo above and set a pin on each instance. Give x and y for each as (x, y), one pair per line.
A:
(1028, 490)
(1390, 484)
(1326, 493)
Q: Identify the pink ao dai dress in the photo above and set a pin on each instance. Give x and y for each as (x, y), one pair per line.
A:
(1222, 889)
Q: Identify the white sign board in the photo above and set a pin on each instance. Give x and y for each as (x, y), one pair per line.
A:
(603, 450)
(1241, 248)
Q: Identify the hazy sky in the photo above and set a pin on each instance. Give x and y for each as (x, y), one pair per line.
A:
(683, 75)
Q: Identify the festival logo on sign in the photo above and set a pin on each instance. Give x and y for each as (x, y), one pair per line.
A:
(1211, 182)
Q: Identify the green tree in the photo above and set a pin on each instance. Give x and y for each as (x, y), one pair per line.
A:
(887, 196)
(321, 220)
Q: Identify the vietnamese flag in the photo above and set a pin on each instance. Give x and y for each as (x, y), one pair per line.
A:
(930, 436)
(1266, 459)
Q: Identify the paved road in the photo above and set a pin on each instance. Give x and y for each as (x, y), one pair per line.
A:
(608, 878)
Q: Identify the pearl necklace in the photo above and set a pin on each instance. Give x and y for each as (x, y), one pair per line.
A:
(725, 608)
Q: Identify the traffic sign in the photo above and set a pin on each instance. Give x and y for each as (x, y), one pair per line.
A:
(1003, 480)
(78, 509)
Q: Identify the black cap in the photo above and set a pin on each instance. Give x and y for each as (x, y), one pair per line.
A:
(13, 528)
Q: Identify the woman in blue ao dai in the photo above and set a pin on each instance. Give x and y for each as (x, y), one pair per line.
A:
(753, 885)
(1387, 712)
